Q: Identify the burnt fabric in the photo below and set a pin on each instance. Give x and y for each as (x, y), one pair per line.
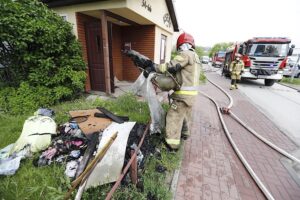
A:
(68, 145)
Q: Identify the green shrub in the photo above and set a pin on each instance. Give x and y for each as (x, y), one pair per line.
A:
(42, 59)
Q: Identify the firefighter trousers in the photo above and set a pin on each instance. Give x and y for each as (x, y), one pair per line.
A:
(177, 123)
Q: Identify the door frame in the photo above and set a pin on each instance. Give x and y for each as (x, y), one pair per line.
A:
(86, 24)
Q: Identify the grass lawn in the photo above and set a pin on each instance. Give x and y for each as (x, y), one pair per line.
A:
(296, 81)
(49, 182)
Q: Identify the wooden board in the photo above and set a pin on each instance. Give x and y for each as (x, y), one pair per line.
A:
(109, 168)
(92, 124)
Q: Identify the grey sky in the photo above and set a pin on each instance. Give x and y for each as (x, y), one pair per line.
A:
(213, 21)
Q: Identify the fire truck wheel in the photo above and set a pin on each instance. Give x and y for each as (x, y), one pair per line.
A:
(269, 82)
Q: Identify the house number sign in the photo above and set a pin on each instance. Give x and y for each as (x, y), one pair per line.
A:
(167, 20)
(146, 5)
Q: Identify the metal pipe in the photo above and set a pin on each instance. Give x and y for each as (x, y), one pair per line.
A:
(134, 169)
(117, 183)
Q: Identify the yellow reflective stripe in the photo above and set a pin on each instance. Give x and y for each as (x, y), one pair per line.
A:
(186, 92)
(179, 58)
(189, 88)
(173, 141)
(163, 67)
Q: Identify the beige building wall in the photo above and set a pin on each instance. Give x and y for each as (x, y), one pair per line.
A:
(149, 11)
(174, 40)
(70, 11)
(155, 11)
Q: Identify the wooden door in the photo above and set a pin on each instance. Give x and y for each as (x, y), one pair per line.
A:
(95, 55)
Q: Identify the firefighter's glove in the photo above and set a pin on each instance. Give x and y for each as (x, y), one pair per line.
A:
(138, 63)
(147, 71)
(174, 69)
(242, 71)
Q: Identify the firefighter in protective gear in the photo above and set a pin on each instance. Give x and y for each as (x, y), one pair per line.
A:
(236, 69)
(188, 65)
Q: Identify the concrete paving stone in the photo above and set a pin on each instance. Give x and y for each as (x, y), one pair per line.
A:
(246, 182)
(239, 179)
(246, 191)
(189, 194)
(180, 190)
(225, 196)
(224, 187)
(179, 197)
(233, 192)
(194, 170)
(247, 197)
(216, 196)
(213, 180)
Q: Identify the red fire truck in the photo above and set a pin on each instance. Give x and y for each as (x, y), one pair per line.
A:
(218, 58)
(264, 58)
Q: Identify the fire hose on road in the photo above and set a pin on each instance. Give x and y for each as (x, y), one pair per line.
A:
(227, 110)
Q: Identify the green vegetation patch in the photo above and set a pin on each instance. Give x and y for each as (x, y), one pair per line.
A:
(42, 58)
(296, 81)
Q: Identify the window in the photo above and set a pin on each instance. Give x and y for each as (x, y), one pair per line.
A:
(221, 54)
(64, 16)
(269, 50)
(163, 45)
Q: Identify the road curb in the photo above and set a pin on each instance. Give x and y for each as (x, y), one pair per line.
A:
(298, 90)
(174, 182)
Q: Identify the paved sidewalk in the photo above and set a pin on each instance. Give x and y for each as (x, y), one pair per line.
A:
(210, 168)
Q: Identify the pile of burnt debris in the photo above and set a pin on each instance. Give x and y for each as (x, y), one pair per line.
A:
(96, 146)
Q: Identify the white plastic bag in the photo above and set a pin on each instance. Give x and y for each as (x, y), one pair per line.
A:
(145, 88)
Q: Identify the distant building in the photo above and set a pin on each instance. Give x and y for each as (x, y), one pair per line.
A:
(104, 27)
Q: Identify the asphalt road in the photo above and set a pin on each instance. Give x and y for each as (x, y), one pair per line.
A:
(279, 103)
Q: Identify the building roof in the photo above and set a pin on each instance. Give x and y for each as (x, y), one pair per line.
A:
(59, 3)
(172, 13)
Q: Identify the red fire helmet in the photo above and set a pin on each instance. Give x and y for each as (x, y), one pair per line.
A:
(185, 38)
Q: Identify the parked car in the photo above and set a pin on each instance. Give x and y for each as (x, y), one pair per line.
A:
(205, 59)
(288, 71)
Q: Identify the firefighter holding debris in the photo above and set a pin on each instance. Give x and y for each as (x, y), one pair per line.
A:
(236, 69)
(180, 75)
(186, 69)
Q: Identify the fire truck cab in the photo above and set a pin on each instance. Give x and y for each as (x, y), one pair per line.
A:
(218, 58)
(264, 58)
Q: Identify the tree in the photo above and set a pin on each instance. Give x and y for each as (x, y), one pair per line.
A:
(200, 51)
(40, 54)
(219, 47)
